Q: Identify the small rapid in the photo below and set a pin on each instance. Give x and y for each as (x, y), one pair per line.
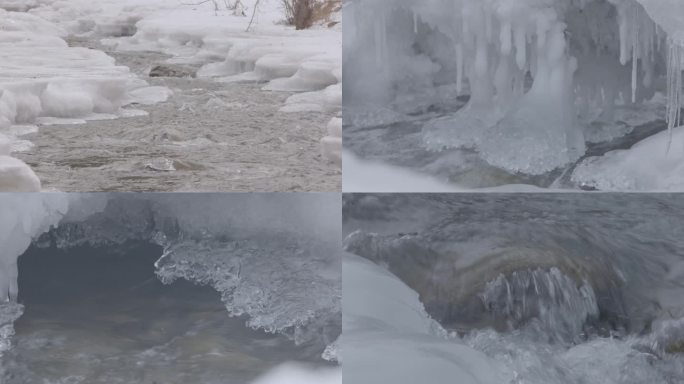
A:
(552, 288)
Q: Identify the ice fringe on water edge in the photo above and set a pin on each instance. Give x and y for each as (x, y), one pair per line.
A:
(23, 217)
(535, 71)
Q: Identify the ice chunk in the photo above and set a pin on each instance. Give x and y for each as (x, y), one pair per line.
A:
(369, 176)
(150, 95)
(648, 165)
(24, 216)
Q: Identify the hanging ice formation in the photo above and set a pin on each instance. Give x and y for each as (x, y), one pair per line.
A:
(675, 94)
(536, 70)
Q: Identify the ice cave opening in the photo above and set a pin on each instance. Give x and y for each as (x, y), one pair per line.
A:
(531, 86)
(99, 302)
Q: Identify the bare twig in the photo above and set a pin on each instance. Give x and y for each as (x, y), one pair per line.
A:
(254, 11)
(216, 6)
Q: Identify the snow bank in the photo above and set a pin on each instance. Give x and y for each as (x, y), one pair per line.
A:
(24, 216)
(15, 175)
(389, 338)
(647, 166)
(367, 176)
(61, 82)
(296, 374)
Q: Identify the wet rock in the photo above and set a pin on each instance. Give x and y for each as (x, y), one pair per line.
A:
(168, 70)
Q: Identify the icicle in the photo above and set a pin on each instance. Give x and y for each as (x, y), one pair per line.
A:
(520, 47)
(675, 94)
(506, 39)
(635, 54)
(503, 80)
(624, 26)
(459, 68)
(415, 23)
(380, 42)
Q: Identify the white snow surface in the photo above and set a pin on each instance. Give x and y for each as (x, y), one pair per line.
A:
(368, 176)
(389, 338)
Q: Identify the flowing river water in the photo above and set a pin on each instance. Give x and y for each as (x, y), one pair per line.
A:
(207, 136)
(560, 288)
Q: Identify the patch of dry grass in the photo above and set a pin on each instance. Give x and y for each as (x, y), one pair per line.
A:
(304, 14)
